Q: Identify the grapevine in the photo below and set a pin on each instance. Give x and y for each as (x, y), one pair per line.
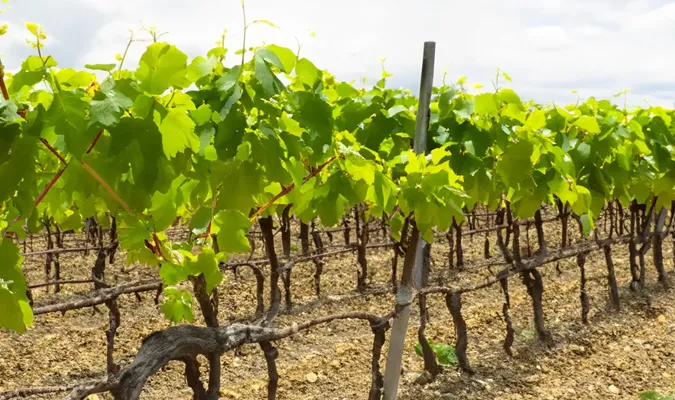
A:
(238, 149)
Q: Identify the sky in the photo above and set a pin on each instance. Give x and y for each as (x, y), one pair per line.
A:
(548, 47)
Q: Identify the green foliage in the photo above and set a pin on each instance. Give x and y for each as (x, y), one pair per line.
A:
(653, 395)
(445, 353)
(15, 312)
(162, 66)
(177, 305)
(211, 144)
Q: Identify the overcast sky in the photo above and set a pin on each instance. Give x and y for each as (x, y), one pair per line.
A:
(549, 47)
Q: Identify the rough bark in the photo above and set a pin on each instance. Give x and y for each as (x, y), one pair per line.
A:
(318, 261)
(527, 239)
(458, 245)
(509, 222)
(611, 278)
(451, 248)
(564, 216)
(486, 248)
(658, 244)
(499, 220)
(583, 296)
(114, 241)
(632, 248)
(376, 377)
(210, 313)
(516, 245)
(192, 376)
(535, 288)
(49, 256)
(347, 230)
(286, 277)
(304, 237)
(454, 303)
(271, 355)
(267, 228)
(114, 317)
(205, 303)
(430, 364)
(539, 224)
(362, 237)
(57, 262)
(286, 231)
(510, 332)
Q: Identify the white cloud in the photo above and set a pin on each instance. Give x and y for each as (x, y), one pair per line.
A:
(549, 47)
(548, 38)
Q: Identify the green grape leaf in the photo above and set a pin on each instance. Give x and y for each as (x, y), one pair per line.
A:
(10, 268)
(418, 349)
(360, 169)
(232, 226)
(285, 55)
(11, 314)
(446, 354)
(396, 224)
(307, 73)
(8, 113)
(202, 115)
(290, 125)
(107, 107)
(73, 222)
(346, 90)
(515, 112)
(33, 28)
(163, 209)
(315, 114)
(515, 166)
(636, 128)
(226, 82)
(561, 188)
(584, 199)
(143, 255)
(161, 67)
(71, 79)
(178, 133)
(509, 96)
(588, 123)
(396, 109)
(263, 72)
(207, 265)
(133, 237)
(331, 209)
(68, 117)
(200, 67)
(15, 313)
(177, 305)
(383, 189)
(19, 167)
(100, 67)
(654, 395)
(586, 223)
(25, 78)
(172, 274)
(240, 183)
(527, 206)
(536, 120)
(200, 220)
(486, 105)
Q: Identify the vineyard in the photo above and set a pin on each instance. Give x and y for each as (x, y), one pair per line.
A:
(183, 228)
